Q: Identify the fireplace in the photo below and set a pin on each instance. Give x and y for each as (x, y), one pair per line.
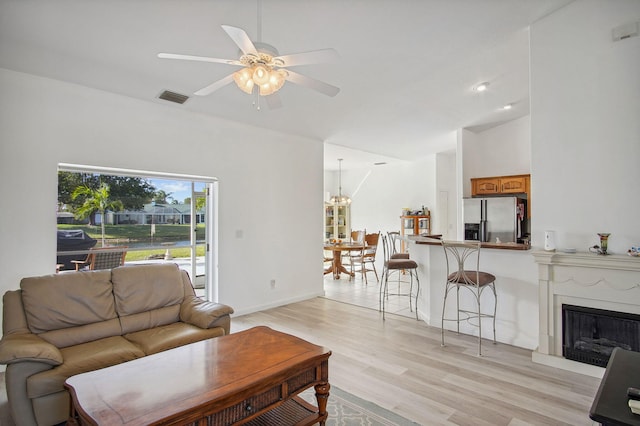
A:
(589, 335)
(585, 280)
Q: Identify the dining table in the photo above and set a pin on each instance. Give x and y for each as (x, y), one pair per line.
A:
(336, 265)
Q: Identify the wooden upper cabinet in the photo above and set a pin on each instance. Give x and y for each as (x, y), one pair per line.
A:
(485, 186)
(514, 185)
(518, 184)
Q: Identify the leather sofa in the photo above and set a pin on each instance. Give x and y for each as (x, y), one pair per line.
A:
(56, 326)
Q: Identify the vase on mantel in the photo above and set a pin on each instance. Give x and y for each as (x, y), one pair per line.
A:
(604, 239)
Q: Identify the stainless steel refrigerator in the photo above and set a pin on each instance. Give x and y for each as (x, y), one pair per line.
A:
(494, 219)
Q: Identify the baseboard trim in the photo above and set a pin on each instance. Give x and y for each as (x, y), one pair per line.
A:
(567, 364)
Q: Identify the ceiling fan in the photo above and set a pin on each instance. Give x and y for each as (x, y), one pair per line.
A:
(264, 70)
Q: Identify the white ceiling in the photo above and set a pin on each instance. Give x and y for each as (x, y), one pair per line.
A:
(406, 70)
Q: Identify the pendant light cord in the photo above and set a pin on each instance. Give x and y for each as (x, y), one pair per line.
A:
(340, 179)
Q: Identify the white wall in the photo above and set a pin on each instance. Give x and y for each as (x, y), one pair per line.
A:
(500, 151)
(379, 193)
(270, 190)
(446, 212)
(585, 126)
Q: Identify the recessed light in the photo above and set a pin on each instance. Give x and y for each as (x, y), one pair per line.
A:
(507, 107)
(481, 87)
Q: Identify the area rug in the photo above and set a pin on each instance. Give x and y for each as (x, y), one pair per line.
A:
(346, 409)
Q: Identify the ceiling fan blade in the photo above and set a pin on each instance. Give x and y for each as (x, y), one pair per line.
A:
(274, 101)
(214, 86)
(240, 37)
(312, 83)
(312, 57)
(198, 58)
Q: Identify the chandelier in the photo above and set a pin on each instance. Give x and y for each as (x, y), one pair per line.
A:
(340, 199)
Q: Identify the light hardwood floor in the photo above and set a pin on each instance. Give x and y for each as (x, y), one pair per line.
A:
(400, 365)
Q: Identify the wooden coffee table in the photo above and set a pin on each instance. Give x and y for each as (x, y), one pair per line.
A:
(250, 377)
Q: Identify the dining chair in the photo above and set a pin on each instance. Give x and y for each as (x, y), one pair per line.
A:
(367, 256)
(463, 271)
(327, 258)
(397, 265)
(357, 237)
(102, 258)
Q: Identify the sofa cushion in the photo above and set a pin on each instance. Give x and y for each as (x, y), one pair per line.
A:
(149, 319)
(142, 288)
(83, 333)
(147, 296)
(61, 301)
(171, 336)
(80, 359)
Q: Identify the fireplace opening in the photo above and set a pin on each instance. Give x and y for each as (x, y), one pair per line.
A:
(589, 335)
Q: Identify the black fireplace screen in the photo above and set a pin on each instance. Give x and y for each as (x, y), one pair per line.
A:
(589, 335)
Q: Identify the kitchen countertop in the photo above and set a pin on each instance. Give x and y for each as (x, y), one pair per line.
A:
(500, 246)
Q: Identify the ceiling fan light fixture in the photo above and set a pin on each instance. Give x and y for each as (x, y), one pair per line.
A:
(267, 89)
(266, 78)
(243, 80)
(260, 74)
(263, 66)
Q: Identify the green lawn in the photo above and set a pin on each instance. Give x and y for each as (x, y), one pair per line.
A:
(142, 234)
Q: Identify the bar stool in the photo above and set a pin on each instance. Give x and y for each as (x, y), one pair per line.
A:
(394, 239)
(397, 265)
(474, 280)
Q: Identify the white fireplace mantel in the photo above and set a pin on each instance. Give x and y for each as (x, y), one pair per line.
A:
(609, 282)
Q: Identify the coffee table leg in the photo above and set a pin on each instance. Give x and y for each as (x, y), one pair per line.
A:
(322, 396)
(73, 416)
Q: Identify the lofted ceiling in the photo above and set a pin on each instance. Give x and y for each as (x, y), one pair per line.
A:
(406, 68)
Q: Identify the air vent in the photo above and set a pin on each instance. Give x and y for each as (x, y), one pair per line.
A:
(380, 163)
(173, 97)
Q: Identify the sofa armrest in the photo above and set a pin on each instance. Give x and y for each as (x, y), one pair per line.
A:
(20, 347)
(201, 313)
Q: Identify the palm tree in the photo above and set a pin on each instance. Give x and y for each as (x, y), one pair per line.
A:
(97, 200)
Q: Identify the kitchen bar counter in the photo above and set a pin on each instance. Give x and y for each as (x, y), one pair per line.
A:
(500, 246)
(516, 284)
